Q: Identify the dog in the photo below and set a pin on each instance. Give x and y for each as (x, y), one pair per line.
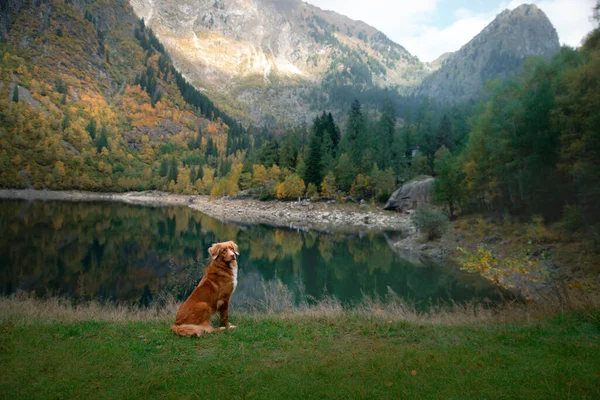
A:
(211, 295)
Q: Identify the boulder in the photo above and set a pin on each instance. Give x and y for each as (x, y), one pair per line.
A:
(411, 195)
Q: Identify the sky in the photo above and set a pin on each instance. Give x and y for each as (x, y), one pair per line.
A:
(430, 28)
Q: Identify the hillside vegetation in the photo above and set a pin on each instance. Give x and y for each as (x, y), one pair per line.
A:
(90, 100)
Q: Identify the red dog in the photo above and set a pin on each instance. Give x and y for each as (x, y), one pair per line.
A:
(211, 295)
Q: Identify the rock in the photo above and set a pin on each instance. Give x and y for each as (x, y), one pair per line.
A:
(505, 242)
(24, 95)
(426, 247)
(411, 195)
(459, 237)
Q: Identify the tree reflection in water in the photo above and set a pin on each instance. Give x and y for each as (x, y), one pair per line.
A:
(125, 253)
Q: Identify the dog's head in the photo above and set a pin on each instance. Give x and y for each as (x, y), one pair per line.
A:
(226, 252)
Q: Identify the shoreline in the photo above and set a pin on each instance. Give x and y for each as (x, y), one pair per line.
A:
(302, 215)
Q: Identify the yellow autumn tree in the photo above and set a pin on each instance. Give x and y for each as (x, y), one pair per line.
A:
(292, 188)
(361, 187)
(328, 187)
(259, 175)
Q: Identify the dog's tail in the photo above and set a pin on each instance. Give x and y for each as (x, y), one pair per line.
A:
(191, 330)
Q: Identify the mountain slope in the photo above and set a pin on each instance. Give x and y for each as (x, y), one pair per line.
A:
(89, 100)
(264, 55)
(498, 52)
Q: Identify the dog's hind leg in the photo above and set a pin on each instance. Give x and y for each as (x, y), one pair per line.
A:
(188, 330)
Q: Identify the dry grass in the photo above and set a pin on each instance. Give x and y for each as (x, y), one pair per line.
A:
(22, 307)
(276, 301)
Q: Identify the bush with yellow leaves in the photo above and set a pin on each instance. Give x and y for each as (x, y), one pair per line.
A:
(522, 274)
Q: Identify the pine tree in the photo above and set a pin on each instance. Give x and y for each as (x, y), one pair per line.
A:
(444, 136)
(102, 139)
(15, 96)
(447, 187)
(334, 133)
(164, 167)
(91, 128)
(387, 130)
(66, 122)
(356, 133)
(173, 171)
(314, 168)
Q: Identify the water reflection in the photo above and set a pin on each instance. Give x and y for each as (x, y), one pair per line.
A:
(131, 253)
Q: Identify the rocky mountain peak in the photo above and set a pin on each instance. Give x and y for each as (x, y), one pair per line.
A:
(266, 55)
(498, 52)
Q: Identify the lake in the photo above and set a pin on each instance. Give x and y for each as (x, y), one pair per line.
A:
(131, 254)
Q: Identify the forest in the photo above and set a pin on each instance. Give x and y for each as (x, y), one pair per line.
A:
(118, 116)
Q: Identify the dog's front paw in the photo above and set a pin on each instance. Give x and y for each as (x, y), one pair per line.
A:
(232, 326)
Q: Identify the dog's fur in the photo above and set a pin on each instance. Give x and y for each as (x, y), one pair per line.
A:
(211, 295)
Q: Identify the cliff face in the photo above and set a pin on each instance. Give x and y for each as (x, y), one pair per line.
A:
(264, 55)
(7, 9)
(498, 52)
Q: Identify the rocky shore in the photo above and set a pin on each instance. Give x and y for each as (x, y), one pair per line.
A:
(304, 215)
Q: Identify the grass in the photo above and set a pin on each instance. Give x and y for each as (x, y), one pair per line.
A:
(325, 352)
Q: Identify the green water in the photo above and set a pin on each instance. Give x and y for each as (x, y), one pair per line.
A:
(132, 254)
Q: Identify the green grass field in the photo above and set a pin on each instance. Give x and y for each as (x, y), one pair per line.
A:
(303, 357)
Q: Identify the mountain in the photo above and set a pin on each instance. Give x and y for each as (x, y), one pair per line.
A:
(90, 100)
(265, 58)
(498, 52)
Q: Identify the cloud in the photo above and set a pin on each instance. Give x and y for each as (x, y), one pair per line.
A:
(395, 18)
(413, 24)
(433, 41)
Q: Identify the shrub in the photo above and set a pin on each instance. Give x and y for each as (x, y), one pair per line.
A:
(312, 192)
(431, 223)
(573, 219)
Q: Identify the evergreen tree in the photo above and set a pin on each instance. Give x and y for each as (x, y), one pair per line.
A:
(356, 133)
(345, 171)
(447, 188)
(313, 163)
(173, 171)
(66, 122)
(91, 128)
(386, 129)
(15, 96)
(102, 139)
(334, 133)
(164, 167)
(444, 136)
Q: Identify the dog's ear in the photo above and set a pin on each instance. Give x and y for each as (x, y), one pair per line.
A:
(235, 248)
(215, 250)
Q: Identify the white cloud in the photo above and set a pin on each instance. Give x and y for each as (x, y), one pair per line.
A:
(433, 41)
(410, 23)
(394, 18)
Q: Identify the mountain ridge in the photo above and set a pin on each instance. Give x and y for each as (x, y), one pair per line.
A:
(497, 52)
(232, 47)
